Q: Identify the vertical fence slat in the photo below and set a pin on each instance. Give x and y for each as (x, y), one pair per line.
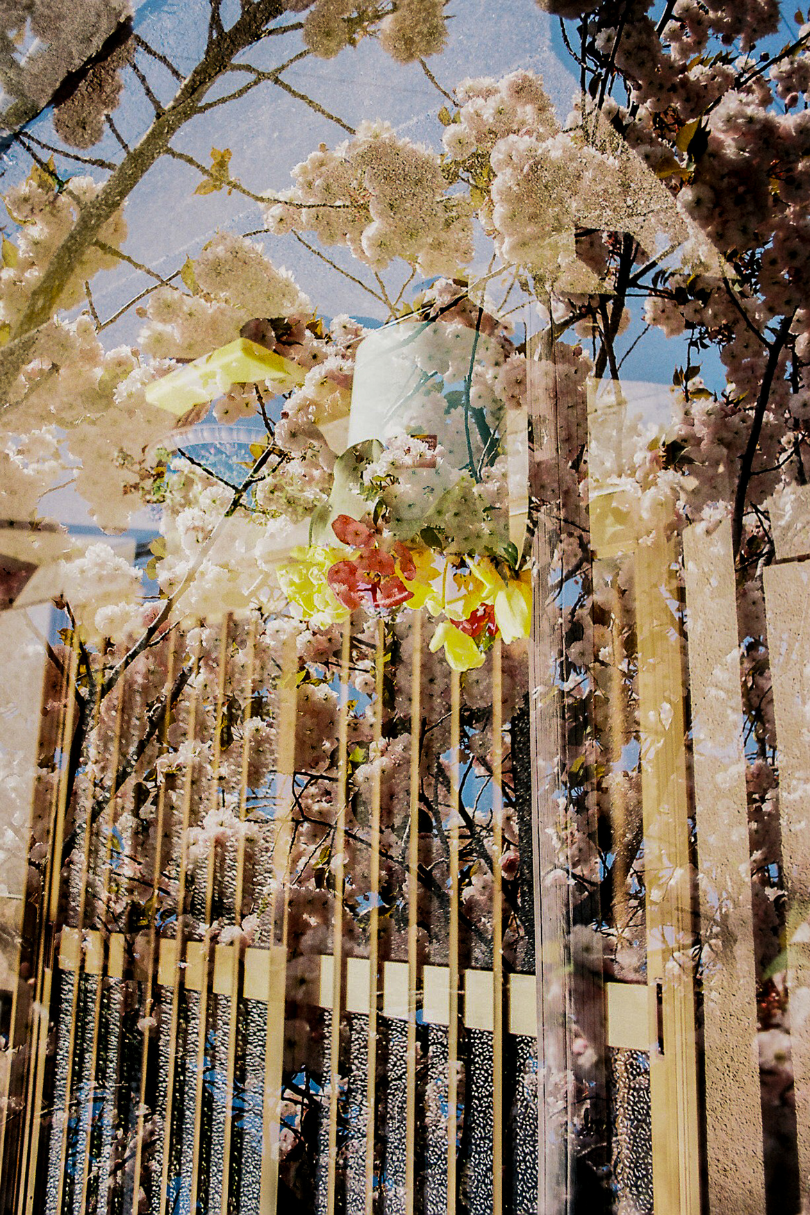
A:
(373, 929)
(22, 694)
(210, 873)
(175, 945)
(413, 912)
(236, 991)
(734, 1147)
(550, 899)
(337, 929)
(787, 600)
(277, 958)
(65, 1173)
(497, 930)
(453, 947)
(149, 982)
(665, 809)
(80, 923)
(45, 960)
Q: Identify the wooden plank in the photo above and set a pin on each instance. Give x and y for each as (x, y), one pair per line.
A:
(337, 922)
(178, 949)
(668, 903)
(199, 954)
(374, 977)
(628, 1015)
(453, 948)
(239, 972)
(152, 952)
(497, 994)
(25, 660)
(40, 1009)
(552, 918)
(734, 1146)
(787, 600)
(282, 840)
(413, 909)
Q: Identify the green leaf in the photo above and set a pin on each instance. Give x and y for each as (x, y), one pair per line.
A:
(686, 134)
(11, 254)
(431, 538)
(47, 177)
(511, 554)
(445, 117)
(220, 172)
(188, 276)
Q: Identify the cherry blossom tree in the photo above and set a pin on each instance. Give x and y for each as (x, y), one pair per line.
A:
(671, 199)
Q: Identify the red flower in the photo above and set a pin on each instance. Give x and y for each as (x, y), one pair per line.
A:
(406, 565)
(370, 578)
(351, 531)
(377, 562)
(390, 593)
(479, 621)
(348, 584)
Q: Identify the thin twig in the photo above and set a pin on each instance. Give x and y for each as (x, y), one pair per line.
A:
(90, 303)
(737, 304)
(260, 76)
(747, 462)
(384, 293)
(143, 641)
(144, 83)
(268, 425)
(150, 50)
(117, 133)
(313, 105)
(435, 83)
(222, 182)
(204, 468)
(111, 251)
(96, 161)
(633, 345)
(136, 300)
(335, 266)
(154, 718)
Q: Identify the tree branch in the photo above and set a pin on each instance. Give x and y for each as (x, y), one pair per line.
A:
(45, 296)
(335, 266)
(153, 719)
(747, 462)
(313, 105)
(143, 641)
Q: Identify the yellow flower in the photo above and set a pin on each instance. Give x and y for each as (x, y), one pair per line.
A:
(512, 599)
(460, 650)
(422, 585)
(303, 581)
(460, 594)
(442, 587)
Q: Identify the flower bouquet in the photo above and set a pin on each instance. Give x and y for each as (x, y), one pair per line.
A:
(419, 511)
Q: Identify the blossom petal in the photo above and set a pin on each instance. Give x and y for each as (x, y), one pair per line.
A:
(350, 531)
(461, 652)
